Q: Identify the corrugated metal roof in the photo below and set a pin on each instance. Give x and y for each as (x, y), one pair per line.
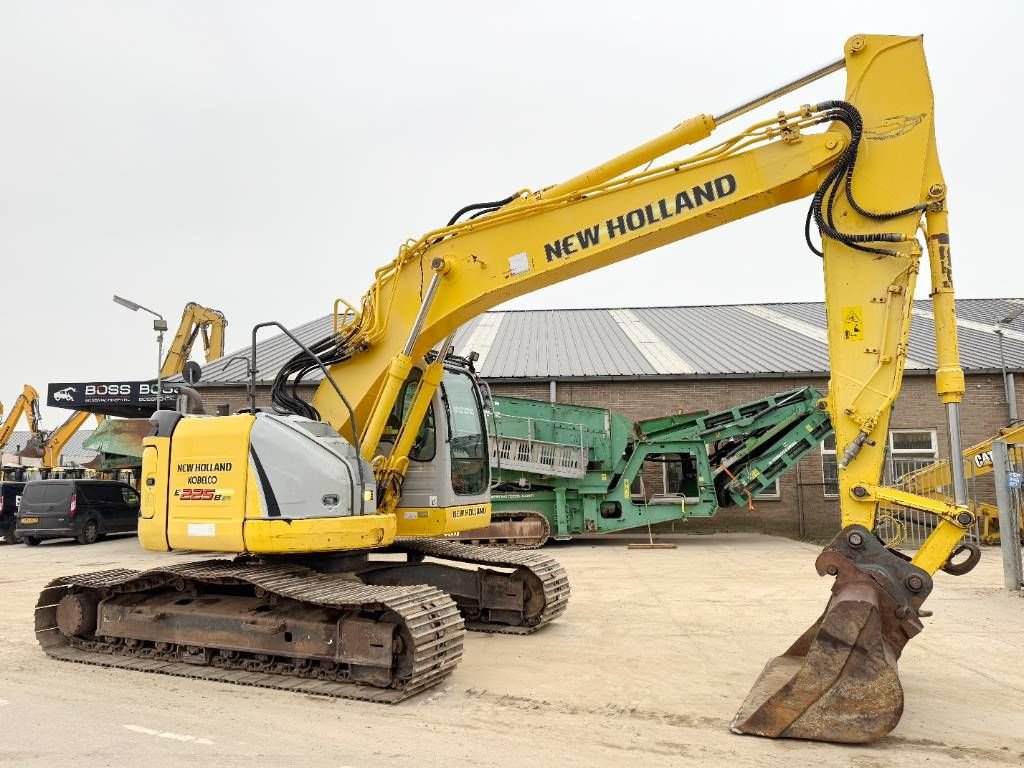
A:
(702, 341)
(73, 452)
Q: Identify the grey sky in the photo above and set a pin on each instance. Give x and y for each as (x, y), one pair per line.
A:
(263, 158)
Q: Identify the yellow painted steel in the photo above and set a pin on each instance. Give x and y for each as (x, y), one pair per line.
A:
(56, 440)
(195, 320)
(437, 521)
(938, 547)
(208, 474)
(28, 404)
(602, 216)
(390, 470)
(321, 534)
(933, 480)
(397, 372)
(153, 488)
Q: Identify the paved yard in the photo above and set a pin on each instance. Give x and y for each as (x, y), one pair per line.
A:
(646, 668)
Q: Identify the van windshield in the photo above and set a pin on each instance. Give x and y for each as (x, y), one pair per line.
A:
(46, 493)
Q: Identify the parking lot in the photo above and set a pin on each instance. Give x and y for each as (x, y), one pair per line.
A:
(646, 668)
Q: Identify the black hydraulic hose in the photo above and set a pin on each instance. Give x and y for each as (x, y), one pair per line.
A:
(822, 204)
(327, 375)
(495, 204)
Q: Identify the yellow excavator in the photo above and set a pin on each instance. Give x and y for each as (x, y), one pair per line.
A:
(27, 404)
(195, 320)
(935, 480)
(52, 444)
(334, 507)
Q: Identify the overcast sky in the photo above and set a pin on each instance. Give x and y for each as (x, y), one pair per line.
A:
(264, 158)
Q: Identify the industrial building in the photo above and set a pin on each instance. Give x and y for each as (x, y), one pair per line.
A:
(652, 361)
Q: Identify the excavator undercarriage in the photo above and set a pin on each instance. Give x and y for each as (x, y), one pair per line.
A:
(378, 628)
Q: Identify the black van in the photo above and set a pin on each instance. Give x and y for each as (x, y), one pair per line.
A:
(85, 510)
(10, 498)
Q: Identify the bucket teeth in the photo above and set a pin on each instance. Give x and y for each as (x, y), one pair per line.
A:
(838, 682)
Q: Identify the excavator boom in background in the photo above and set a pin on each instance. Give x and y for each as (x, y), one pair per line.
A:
(28, 404)
(394, 444)
(196, 320)
(936, 479)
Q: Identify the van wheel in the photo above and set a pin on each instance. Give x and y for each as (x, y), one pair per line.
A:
(90, 533)
(30, 540)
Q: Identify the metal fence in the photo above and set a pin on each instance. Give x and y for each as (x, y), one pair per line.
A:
(908, 528)
(1008, 468)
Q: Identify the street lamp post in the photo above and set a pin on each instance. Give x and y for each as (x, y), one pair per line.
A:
(159, 325)
(1009, 390)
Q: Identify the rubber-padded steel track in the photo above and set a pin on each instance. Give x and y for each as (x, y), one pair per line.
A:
(429, 617)
(552, 576)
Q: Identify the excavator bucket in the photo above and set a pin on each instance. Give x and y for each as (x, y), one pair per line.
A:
(838, 682)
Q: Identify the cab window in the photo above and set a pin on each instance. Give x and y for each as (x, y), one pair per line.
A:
(424, 448)
(466, 434)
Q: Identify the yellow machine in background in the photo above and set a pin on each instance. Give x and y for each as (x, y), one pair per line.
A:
(27, 404)
(53, 443)
(195, 320)
(935, 480)
(394, 441)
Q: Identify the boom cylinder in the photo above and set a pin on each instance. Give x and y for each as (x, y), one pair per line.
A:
(687, 132)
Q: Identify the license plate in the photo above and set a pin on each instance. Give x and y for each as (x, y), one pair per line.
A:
(28, 520)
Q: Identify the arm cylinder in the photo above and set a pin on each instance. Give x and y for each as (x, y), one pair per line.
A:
(949, 376)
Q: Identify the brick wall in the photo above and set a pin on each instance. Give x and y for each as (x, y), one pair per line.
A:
(802, 508)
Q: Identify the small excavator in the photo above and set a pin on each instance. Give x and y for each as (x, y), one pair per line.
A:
(341, 585)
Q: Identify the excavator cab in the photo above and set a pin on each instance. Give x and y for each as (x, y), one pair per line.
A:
(268, 483)
(447, 484)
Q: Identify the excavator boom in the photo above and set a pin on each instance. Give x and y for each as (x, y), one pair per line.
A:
(28, 404)
(874, 180)
(195, 320)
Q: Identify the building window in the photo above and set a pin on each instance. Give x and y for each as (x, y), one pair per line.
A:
(829, 467)
(908, 450)
(771, 493)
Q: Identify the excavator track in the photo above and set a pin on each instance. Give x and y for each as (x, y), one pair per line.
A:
(545, 581)
(514, 529)
(388, 643)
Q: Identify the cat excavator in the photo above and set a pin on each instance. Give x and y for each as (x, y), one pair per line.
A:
(336, 508)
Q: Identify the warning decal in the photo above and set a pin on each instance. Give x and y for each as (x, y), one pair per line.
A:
(853, 323)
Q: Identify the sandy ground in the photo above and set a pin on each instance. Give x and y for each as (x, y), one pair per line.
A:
(646, 668)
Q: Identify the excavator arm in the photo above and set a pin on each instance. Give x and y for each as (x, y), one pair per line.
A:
(27, 403)
(870, 166)
(53, 444)
(195, 320)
